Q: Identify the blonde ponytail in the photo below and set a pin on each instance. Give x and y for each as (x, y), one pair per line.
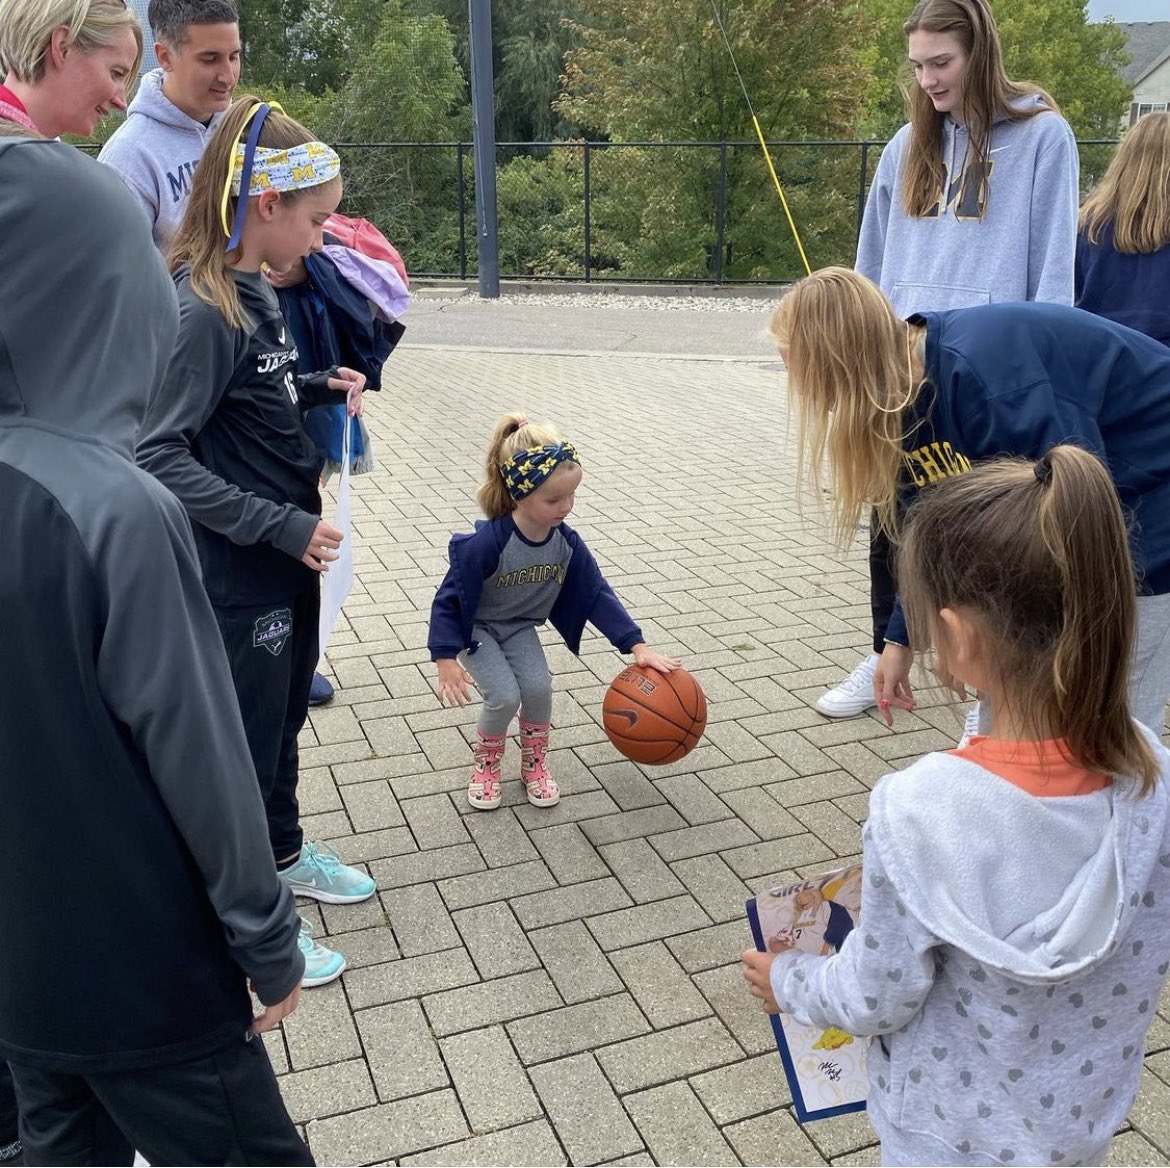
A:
(513, 432)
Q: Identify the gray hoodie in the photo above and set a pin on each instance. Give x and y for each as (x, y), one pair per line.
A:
(132, 820)
(1009, 956)
(156, 150)
(1022, 248)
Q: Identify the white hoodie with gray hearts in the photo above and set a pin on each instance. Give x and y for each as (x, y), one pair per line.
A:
(1008, 958)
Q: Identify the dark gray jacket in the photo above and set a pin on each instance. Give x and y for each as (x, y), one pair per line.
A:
(139, 887)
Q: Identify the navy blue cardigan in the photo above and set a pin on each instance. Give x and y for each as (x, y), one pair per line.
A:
(585, 594)
(1018, 379)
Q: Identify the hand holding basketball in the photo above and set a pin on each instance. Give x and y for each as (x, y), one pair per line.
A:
(649, 659)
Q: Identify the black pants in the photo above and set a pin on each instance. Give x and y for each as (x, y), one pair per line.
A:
(272, 650)
(882, 589)
(224, 1108)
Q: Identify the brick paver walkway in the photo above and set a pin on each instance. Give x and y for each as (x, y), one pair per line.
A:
(561, 986)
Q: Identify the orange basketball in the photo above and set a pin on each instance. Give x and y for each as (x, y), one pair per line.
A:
(653, 717)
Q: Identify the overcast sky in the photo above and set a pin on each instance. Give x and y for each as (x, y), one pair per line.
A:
(1125, 11)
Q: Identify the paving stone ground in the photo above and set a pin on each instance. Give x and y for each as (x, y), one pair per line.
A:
(561, 986)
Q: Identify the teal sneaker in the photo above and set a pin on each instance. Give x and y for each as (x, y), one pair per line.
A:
(320, 874)
(321, 965)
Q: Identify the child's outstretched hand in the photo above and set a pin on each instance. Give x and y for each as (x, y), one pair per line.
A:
(757, 971)
(455, 683)
(351, 383)
(649, 659)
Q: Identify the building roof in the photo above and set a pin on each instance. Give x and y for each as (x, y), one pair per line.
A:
(1148, 44)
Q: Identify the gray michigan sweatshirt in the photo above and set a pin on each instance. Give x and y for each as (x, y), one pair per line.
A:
(1022, 247)
(156, 150)
(1008, 958)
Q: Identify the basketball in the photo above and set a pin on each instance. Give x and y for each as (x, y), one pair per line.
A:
(654, 718)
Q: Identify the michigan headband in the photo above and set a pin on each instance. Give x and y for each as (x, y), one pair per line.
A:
(255, 169)
(528, 469)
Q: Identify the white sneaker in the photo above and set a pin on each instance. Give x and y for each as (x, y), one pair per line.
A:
(854, 695)
(970, 725)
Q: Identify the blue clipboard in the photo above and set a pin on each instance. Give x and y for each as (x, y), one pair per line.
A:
(804, 1113)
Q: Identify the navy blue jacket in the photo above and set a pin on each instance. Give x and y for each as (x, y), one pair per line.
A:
(1018, 379)
(585, 594)
(1133, 290)
(332, 324)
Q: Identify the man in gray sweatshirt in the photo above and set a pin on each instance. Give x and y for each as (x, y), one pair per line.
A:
(177, 108)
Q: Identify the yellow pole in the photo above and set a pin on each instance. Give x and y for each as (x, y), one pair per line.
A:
(780, 192)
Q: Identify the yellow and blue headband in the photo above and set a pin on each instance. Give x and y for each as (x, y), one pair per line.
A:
(256, 169)
(528, 469)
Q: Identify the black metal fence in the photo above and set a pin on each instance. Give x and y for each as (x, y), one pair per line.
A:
(646, 212)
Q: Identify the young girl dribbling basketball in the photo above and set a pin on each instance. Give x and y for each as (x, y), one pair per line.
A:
(226, 436)
(522, 566)
(1014, 934)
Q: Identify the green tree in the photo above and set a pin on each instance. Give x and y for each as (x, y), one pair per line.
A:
(663, 71)
(529, 41)
(397, 81)
(304, 43)
(1048, 42)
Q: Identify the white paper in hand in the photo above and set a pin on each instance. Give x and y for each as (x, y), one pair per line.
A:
(338, 582)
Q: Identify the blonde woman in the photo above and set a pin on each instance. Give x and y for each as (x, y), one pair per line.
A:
(893, 406)
(974, 201)
(1123, 250)
(66, 63)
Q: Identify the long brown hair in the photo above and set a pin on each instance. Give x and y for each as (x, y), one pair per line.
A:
(988, 95)
(1134, 193)
(513, 432)
(1039, 553)
(200, 240)
(852, 380)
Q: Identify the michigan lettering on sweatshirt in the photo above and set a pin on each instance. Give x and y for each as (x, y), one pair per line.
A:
(526, 582)
(1015, 380)
(536, 574)
(935, 461)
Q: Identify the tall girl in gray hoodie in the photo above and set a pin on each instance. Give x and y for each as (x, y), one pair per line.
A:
(974, 201)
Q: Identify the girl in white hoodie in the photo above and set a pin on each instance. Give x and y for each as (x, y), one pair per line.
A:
(1014, 933)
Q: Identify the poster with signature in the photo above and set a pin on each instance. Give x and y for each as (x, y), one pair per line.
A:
(825, 1068)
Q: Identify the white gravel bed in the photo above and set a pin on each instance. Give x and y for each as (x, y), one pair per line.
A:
(615, 300)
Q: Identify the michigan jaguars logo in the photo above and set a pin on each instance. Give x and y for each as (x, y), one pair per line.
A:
(272, 631)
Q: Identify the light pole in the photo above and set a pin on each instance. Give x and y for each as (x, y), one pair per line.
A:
(483, 114)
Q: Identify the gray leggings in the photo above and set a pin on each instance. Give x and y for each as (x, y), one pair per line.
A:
(512, 675)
